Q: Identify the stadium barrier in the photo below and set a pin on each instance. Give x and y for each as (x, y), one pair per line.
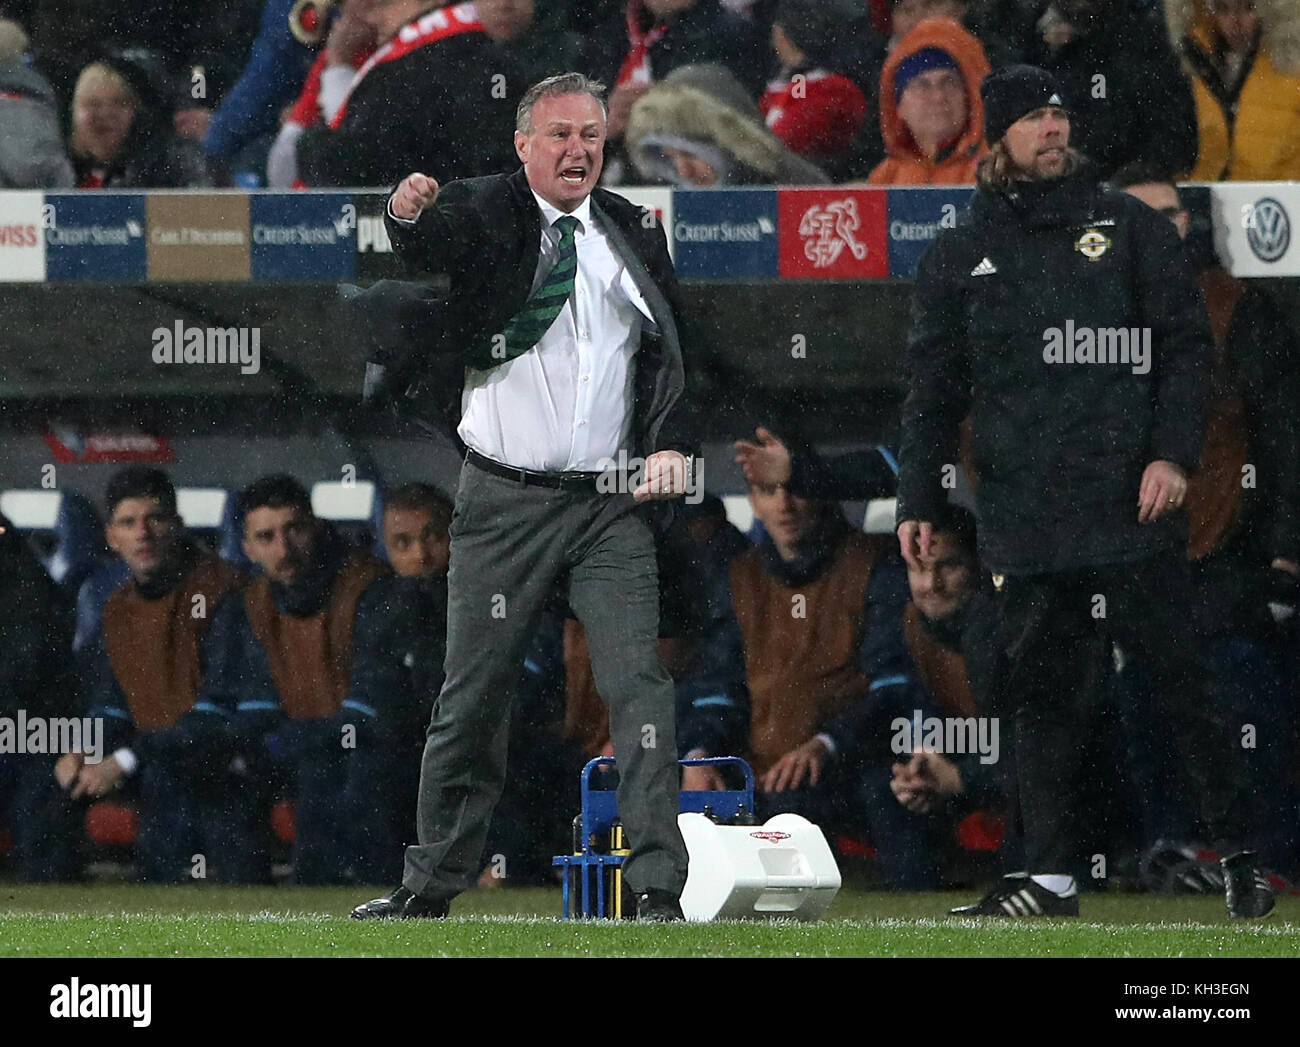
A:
(823, 233)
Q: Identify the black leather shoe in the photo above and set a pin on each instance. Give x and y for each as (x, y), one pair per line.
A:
(1249, 894)
(658, 907)
(402, 904)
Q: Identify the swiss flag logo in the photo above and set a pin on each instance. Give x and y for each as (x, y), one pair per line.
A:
(837, 234)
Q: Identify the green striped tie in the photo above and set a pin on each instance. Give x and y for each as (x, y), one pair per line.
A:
(544, 304)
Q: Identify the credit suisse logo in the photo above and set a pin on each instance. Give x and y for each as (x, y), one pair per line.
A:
(726, 234)
(837, 234)
(915, 218)
(95, 236)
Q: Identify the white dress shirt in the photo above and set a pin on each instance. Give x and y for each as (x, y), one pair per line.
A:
(566, 404)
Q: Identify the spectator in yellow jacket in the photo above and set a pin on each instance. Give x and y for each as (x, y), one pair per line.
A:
(1243, 58)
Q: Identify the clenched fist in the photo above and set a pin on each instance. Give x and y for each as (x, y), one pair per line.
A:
(416, 192)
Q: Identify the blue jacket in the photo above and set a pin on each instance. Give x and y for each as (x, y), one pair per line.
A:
(204, 729)
(721, 727)
(276, 69)
(380, 695)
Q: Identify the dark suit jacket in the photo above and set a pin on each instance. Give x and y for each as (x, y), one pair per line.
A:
(485, 235)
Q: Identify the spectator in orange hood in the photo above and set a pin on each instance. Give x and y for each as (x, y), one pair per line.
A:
(931, 115)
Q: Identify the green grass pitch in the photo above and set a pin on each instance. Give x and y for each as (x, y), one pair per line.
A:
(114, 920)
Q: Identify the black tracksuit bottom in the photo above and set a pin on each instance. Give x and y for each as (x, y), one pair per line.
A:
(1056, 631)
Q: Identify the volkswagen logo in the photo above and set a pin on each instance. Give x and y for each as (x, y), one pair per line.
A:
(1269, 231)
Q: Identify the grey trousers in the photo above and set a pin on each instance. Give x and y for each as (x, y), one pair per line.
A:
(509, 544)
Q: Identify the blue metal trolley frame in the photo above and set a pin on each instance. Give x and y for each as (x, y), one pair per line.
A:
(600, 808)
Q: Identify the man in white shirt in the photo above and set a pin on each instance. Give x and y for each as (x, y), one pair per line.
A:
(563, 308)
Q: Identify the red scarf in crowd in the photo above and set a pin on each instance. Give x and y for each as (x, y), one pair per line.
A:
(436, 25)
(636, 66)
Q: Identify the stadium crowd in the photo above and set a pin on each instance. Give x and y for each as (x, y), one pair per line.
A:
(703, 92)
(271, 695)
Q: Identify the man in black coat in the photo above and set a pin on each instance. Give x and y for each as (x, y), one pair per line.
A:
(564, 311)
(1066, 320)
(437, 88)
(35, 683)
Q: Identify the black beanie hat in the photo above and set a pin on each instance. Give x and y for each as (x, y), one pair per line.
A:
(1013, 92)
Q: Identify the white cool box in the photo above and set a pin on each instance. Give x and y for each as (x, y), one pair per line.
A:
(783, 869)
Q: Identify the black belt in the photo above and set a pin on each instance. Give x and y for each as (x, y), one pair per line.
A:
(575, 480)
